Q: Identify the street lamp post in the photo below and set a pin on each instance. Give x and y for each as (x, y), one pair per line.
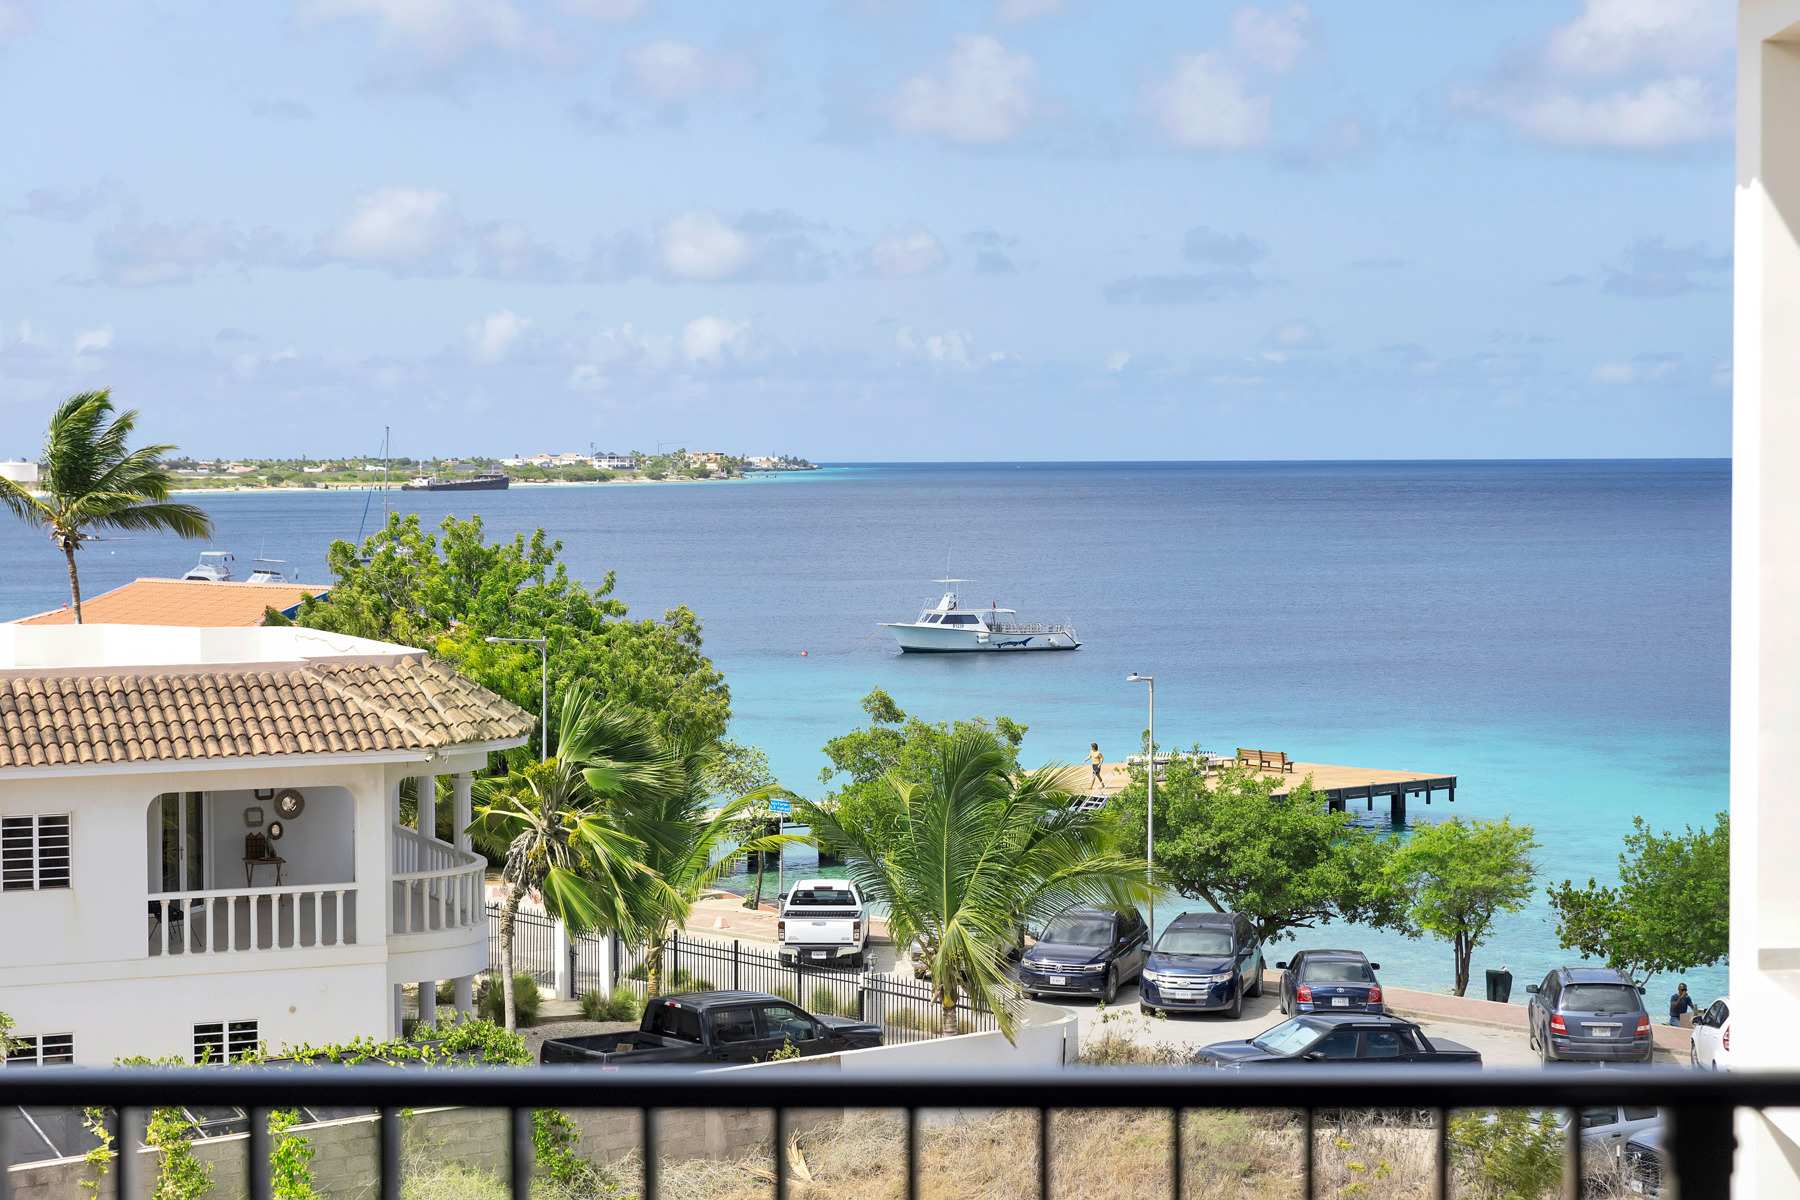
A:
(543, 647)
(1149, 795)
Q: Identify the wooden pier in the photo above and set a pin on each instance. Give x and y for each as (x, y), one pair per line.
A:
(1340, 786)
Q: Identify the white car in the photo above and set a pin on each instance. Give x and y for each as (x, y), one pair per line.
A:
(1710, 1044)
(823, 923)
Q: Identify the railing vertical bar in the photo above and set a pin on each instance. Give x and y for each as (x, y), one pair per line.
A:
(130, 1162)
(912, 1154)
(1306, 1152)
(390, 1153)
(521, 1158)
(781, 1157)
(254, 915)
(1175, 1164)
(5, 1161)
(1043, 1154)
(1572, 1165)
(1443, 1154)
(647, 1140)
(260, 1188)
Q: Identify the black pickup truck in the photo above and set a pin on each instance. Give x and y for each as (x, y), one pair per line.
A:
(714, 1027)
(1344, 1039)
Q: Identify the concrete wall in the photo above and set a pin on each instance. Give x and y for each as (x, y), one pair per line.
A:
(319, 845)
(1765, 582)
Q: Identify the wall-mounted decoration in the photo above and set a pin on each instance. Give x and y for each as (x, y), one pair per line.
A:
(265, 793)
(275, 831)
(253, 817)
(289, 803)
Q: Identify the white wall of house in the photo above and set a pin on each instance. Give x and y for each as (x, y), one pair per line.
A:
(1765, 583)
(320, 846)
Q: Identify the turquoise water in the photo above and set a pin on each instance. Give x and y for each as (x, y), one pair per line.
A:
(1554, 634)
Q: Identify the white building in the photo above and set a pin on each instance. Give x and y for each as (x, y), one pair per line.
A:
(200, 843)
(1765, 585)
(18, 470)
(615, 462)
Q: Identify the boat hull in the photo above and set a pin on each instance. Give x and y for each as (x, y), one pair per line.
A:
(459, 485)
(926, 639)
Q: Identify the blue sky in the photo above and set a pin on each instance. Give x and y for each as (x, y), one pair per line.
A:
(866, 230)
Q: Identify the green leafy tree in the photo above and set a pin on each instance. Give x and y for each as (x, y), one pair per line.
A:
(1507, 1154)
(94, 481)
(1670, 910)
(450, 593)
(964, 851)
(1460, 875)
(558, 826)
(744, 771)
(1286, 862)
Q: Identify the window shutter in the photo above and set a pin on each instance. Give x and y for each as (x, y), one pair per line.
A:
(34, 852)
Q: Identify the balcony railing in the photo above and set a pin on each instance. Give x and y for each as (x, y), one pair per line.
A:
(252, 920)
(1699, 1106)
(436, 886)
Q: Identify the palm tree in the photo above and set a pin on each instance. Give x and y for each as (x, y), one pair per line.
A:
(682, 836)
(973, 851)
(94, 481)
(556, 825)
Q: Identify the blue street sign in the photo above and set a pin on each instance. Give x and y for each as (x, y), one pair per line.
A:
(781, 806)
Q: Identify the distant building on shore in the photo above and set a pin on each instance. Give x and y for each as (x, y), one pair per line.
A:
(610, 461)
(18, 470)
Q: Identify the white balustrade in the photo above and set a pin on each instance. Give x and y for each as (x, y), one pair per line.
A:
(436, 886)
(252, 920)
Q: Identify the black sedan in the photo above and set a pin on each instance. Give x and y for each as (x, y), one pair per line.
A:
(1327, 980)
(1342, 1038)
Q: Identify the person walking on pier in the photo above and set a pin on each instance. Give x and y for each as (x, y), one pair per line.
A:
(1095, 758)
(1680, 1003)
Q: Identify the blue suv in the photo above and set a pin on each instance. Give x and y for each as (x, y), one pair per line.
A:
(1203, 962)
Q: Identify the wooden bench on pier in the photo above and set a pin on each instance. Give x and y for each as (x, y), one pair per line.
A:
(1265, 760)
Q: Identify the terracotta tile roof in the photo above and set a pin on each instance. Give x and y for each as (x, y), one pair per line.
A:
(165, 714)
(188, 602)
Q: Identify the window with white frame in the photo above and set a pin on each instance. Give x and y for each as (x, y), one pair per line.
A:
(41, 1050)
(34, 852)
(224, 1041)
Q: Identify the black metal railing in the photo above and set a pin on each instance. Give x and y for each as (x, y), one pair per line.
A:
(1699, 1107)
(534, 944)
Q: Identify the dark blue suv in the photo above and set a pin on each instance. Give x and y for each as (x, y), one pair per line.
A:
(1203, 962)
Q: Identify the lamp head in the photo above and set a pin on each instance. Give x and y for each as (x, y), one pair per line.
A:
(1134, 677)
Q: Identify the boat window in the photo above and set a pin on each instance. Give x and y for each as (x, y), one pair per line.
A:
(960, 619)
(933, 619)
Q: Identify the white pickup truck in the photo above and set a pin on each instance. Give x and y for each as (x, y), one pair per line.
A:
(822, 921)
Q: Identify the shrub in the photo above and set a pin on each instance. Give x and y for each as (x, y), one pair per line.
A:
(826, 1000)
(1507, 1154)
(181, 1175)
(290, 1159)
(490, 1003)
(622, 1005)
(1117, 1050)
(685, 980)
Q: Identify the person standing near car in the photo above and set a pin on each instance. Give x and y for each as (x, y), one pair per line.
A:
(1680, 1003)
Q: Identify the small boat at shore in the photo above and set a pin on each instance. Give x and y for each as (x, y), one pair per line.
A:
(948, 628)
(487, 481)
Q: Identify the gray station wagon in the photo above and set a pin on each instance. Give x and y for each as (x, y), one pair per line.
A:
(1588, 1014)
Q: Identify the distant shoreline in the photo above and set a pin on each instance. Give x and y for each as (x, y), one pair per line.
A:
(339, 488)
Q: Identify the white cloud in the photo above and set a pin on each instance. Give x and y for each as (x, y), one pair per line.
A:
(671, 72)
(909, 252)
(397, 227)
(1118, 360)
(1660, 114)
(702, 247)
(982, 94)
(93, 341)
(1645, 368)
(1297, 335)
(491, 337)
(1204, 105)
(709, 341)
(1273, 39)
(613, 11)
(442, 31)
(16, 19)
(1612, 37)
(950, 349)
(1014, 12)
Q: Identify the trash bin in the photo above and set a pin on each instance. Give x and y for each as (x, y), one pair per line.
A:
(1499, 984)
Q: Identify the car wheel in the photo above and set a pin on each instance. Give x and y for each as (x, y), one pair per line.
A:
(1237, 1004)
(1282, 1003)
(1256, 987)
(1546, 1056)
(1112, 986)
(1531, 1035)
(1693, 1055)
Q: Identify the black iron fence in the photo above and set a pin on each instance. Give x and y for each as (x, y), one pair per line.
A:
(1698, 1138)
(534, 944)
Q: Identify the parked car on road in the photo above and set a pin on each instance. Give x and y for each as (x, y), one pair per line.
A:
(823, 923)
(1203, 962)
(1709, 1046)
(1643, 1163)
(1588, 1014)
(714, 1027)
(1086, 952)
(1330, 981)
(1341, 1038)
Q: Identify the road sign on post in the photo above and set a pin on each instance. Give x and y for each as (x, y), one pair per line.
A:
(781, 805)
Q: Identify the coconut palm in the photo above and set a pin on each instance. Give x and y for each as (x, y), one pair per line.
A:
(557, 828)
(688, 842)
(971, 852)
(93, 480)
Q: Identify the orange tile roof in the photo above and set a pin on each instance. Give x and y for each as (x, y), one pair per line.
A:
(191, 602)
(160, 715)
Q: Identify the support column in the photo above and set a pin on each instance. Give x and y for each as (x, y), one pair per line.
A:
(1397, 808)
(428, 1002)
(427, 791)
(565, 974)
(465, 996)
(461, 787)
(399, 1012)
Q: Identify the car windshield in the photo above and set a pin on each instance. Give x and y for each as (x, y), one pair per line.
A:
(1079, 930)
(1598, 998)
(1194, 940)
(1289, 1037)
(1336, 971)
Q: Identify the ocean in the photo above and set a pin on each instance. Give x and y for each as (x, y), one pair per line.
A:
(1555, 634)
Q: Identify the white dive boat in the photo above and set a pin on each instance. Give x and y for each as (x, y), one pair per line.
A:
(214, 567)
(950, 628)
